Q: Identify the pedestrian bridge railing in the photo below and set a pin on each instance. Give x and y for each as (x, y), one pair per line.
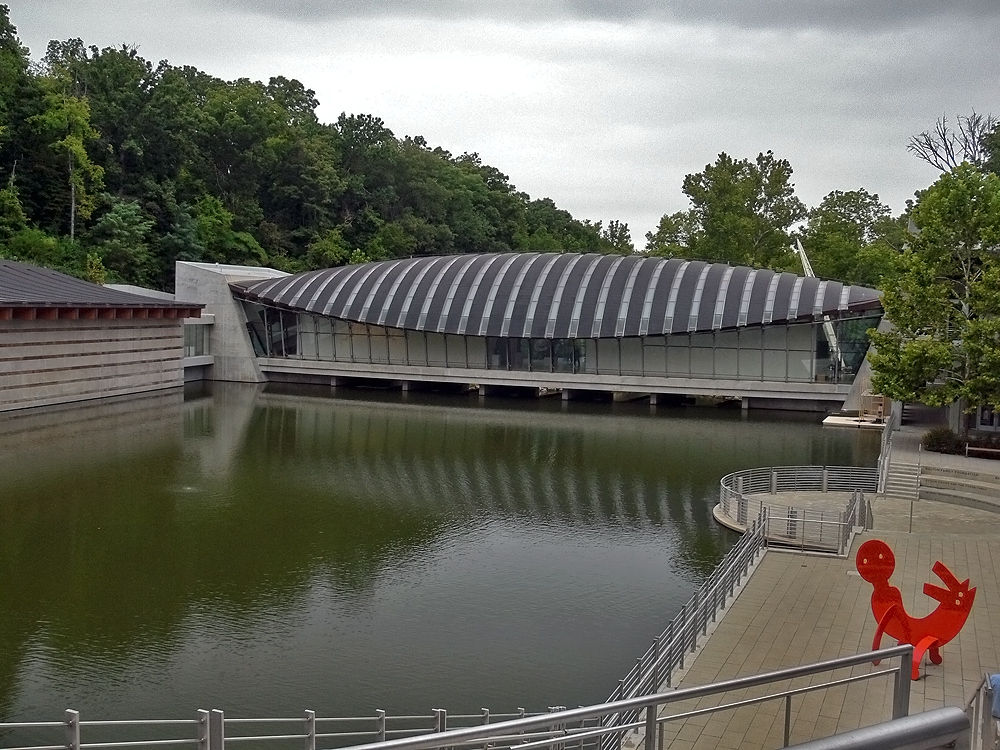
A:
(678, 642)
(212, 730)
(979, 710)
(752, 494)
(583, 728)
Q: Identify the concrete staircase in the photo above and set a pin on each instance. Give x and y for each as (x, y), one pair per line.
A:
(902, 481)
(972, 489)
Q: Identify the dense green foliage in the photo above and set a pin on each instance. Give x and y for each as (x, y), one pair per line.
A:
(107, 157)
(851, 236)
(742, 212)
(945, 303)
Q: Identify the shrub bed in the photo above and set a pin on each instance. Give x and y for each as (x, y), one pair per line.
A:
(944, 440)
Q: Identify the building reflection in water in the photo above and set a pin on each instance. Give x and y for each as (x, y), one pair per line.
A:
(269, 551)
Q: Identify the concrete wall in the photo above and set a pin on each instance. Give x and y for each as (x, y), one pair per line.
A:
(208, 284)
(46, 362)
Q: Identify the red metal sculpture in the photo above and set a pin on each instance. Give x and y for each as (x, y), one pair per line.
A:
(876, 563)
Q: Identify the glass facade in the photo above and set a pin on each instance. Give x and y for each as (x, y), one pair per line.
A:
(799, 352)
(197, 338)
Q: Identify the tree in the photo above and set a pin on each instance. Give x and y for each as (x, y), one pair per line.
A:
(673, 235)
(65, 124)
(741, 213)
(12, 218)
(852, 237)
(945, 304)
(328, 251)
(120, 239)
(945, 147)
(221, 242)
(13, 68)
(26, 161)
(548, 228)
(234, 171)
(618, 238)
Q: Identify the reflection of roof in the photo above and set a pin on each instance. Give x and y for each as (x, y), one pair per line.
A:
(552, 295)
(25, 288)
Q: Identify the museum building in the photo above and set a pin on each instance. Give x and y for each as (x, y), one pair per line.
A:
(564, 321)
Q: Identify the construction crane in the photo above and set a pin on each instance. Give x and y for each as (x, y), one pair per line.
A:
(831, 334)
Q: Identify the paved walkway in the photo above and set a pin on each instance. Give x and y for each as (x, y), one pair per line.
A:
(797, 609)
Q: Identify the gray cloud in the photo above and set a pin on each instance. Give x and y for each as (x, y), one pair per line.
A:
(821, 14)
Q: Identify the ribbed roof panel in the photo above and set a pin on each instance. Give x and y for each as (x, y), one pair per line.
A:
(558, 296)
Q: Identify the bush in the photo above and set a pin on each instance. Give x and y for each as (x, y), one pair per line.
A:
(943, 440)
(985, 441)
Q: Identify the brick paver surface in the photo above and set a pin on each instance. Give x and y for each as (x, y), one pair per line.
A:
(798, 609)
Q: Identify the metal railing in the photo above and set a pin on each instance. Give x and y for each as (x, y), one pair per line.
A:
(742, 493)
(588, 727)
(574, 728)
(885, 449)
(814, 530)
(985, 726)
(937, 729)
(775, 479)
(673, 647)
(212, 729)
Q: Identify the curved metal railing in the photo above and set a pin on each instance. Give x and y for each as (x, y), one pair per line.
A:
(751, 494)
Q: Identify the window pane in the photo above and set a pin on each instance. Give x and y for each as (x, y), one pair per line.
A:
(541, 355)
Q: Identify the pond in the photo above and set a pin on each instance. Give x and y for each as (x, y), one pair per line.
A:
(265, 552)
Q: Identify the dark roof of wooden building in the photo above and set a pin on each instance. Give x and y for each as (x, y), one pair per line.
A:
(32, 292)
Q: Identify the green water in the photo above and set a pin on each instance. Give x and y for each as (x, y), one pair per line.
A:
(265, 553)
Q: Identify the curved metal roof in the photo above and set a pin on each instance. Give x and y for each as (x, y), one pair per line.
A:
(558, 295)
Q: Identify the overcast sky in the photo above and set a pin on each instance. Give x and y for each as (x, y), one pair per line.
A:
(602, 106)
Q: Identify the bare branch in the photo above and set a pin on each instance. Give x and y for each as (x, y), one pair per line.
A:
(945, 148)
(972, 133)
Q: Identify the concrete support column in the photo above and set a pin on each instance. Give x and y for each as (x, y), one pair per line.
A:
(622, 396)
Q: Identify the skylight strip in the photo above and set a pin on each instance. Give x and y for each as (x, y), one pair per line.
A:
(550, 324)
(536, 293)
(602, 297)
(627, 298)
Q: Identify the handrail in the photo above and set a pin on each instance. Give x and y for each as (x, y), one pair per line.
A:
(468, 735)
(530, 730)
(885, 448)
(112, 733)
(670, 649)
(776, 479)
(938, 728)
(985, 726)
(975, 692)
(742, 496)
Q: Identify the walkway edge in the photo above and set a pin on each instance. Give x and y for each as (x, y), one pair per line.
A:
(635, 739)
